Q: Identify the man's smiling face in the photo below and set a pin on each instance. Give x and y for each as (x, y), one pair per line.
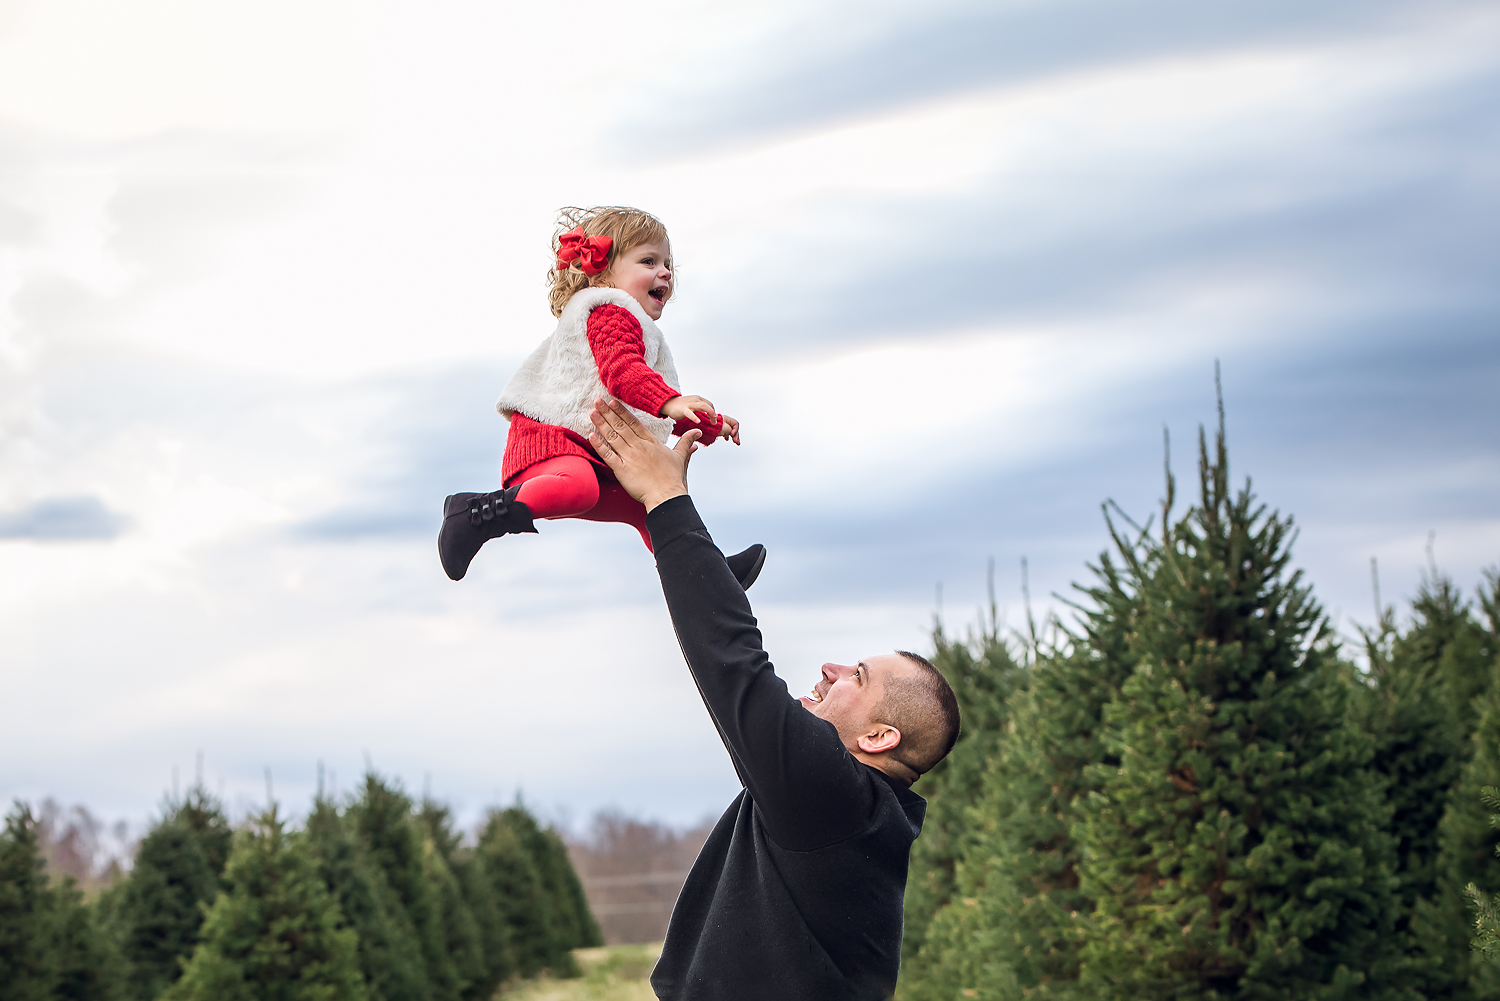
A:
(847, 694)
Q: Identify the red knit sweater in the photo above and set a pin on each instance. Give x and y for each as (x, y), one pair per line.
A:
(620, 352)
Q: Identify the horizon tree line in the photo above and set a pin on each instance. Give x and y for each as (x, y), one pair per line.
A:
(376, 897)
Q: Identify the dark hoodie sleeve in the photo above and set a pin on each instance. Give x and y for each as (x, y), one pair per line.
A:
(809, 791)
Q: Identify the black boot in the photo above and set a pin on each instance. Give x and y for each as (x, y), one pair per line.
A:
(746, 566)
(471, 520)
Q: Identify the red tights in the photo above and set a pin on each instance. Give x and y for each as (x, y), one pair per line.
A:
(568, 487)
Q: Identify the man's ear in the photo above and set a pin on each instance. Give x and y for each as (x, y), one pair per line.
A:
(881, 737)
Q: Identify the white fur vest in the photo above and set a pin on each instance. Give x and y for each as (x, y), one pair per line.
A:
(559, 381)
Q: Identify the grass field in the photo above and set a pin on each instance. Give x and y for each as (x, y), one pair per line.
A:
(613, 973)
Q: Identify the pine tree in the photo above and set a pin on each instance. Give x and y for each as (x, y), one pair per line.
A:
(1487, 909)
(1421, 744)
(275, 933)
(984, 675)
(157, 911)
(576, 927)
(391, 837)
(494, 933)
(51, 948)
(389, 955)
(1467, 843)
(1011, 929)
(540, 934)
(1447, 643)
(478, 893)
(1238, 848)
(89, 965)
(461, 935)
(27, 964)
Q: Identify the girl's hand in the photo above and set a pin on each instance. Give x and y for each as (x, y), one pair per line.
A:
(731, 429)
(687, 408)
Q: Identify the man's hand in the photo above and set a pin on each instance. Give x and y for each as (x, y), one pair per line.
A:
(648, 470)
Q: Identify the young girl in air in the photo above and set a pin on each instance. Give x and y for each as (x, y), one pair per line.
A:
(612, 279)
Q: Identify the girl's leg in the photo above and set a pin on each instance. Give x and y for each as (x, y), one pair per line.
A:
(617, 505)
(564, 487)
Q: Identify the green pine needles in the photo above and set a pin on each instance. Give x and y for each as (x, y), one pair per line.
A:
(1190, 792)
(158, 911)
(1233, 841)
(275, 932)
(373, 899)
(52, 944)
(1487, 909)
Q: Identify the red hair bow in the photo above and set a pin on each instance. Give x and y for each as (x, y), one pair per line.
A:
(591, 252)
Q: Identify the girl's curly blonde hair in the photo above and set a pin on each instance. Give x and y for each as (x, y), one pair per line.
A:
(626, 227)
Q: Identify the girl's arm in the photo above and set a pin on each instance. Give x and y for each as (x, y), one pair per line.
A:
(620, 353)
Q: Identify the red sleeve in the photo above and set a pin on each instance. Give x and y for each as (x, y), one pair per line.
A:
(620, 352)
(711, 428)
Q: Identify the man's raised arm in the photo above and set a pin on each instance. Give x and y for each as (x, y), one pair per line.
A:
(808, 789)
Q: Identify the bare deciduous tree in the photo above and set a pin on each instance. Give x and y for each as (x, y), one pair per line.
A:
(76, 843)
(632, 871)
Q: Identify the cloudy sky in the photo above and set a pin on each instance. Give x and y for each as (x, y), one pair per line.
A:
(265, 266)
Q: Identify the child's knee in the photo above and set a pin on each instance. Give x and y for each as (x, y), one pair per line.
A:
(576, 494)
(560, 495)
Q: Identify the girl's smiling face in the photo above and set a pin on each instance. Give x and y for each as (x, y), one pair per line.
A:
(645, 272)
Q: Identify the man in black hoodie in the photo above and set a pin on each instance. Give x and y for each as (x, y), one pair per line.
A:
(797, 893)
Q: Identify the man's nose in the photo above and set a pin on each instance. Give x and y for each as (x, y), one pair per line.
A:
(834, 672)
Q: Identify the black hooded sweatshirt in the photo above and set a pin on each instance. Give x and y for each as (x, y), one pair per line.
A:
(797, 893)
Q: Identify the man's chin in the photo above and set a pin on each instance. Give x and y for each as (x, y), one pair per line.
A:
(809, 705)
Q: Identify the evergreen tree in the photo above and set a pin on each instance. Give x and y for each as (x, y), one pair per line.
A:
(540, 938)
(984, 675)
(89, 965)
(1467, 843)
(383, 819)
(1238, 847)
(1011, 929)
(1487, 909)
(51, 948)
(479, 893)
(157, 911)
(1421, 744)
(494, 933)
(389, 954)
(27, 964)
(275, 933)
(576, 927)
(460, 931)
(1448, 644)
(1180, 807)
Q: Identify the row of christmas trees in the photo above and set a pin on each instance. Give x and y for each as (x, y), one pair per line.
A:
(373, 899)
(1192, 792)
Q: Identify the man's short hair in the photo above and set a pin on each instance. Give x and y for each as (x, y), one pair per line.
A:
(920, 704)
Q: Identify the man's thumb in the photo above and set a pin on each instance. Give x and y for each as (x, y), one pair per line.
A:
(685, 444)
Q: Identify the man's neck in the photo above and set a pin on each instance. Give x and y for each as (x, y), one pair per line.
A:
(888, 765)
